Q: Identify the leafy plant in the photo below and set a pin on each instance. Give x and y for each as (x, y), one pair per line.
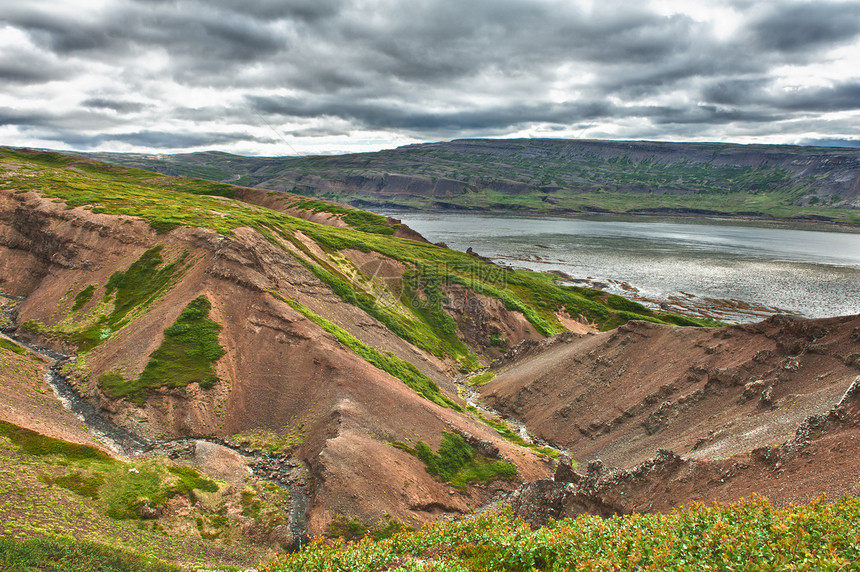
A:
(749, 535)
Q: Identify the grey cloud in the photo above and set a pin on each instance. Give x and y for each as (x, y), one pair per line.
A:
(57, 119)
(426, 69)
(803, 26)
(118, 105)
(190, 32)
(19, 72)
(762, 94)
(843, 96)
(153, 139)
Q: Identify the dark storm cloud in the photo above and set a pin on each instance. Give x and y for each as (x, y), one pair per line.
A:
(193, 33)
(790, 28)
(426, 69)
(380, 114)
(761, 94)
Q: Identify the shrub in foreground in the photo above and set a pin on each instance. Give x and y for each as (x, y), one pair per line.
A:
(749, 535)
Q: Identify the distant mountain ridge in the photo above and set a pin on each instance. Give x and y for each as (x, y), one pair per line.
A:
(555, 176)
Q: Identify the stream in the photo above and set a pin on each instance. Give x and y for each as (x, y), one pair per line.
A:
(472, 397)
(282, 470)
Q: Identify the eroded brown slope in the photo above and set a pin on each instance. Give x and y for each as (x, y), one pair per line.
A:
(821, 459)
(26, 400)
(280, 370)
(702, 393)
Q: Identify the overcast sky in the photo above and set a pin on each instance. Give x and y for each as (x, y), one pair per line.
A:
(284, 77)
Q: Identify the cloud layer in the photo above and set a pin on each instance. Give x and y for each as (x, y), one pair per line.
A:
(318, 76)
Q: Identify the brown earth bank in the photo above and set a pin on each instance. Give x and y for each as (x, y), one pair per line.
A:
(281, 373)
(686, 415)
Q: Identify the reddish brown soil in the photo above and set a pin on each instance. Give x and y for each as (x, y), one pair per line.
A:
(819, 461)
(743, 409)
(280, 370)
(28, 401)
(704, 393)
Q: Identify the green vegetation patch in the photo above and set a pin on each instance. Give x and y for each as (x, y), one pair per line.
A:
(457, 463)
(79, 483)
(749, 535)
(70, 555)
(7, 344)
(271, 441)
(186, 355)
(266, 503)
(150, 484)
(389, 363)
(144, 281)
(126, 294)
(358, 219)
(190, 480)
(83, 297)
(32, 443)
(481, 378)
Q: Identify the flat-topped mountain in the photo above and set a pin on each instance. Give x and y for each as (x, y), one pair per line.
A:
(555, 176)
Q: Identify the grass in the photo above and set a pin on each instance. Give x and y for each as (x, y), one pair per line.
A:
(144, 280)
(748, 535)
(38, 445)
(358, 219)
(271, 441)
(128, 294)
(51, 488)
(7, 344)
(187, 354)
(78, 483)
(457, 463)
(70, 555)
(481, 378)
(83, 297)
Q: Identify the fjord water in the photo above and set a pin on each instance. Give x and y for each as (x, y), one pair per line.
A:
(729, 270)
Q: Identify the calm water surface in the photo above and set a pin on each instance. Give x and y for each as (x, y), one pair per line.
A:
(733, 271)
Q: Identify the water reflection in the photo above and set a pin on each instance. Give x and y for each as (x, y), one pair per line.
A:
(729, 270)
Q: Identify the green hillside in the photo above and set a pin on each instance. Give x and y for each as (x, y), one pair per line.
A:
(556, 176)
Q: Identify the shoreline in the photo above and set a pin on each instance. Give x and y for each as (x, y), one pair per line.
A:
(803, 223)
